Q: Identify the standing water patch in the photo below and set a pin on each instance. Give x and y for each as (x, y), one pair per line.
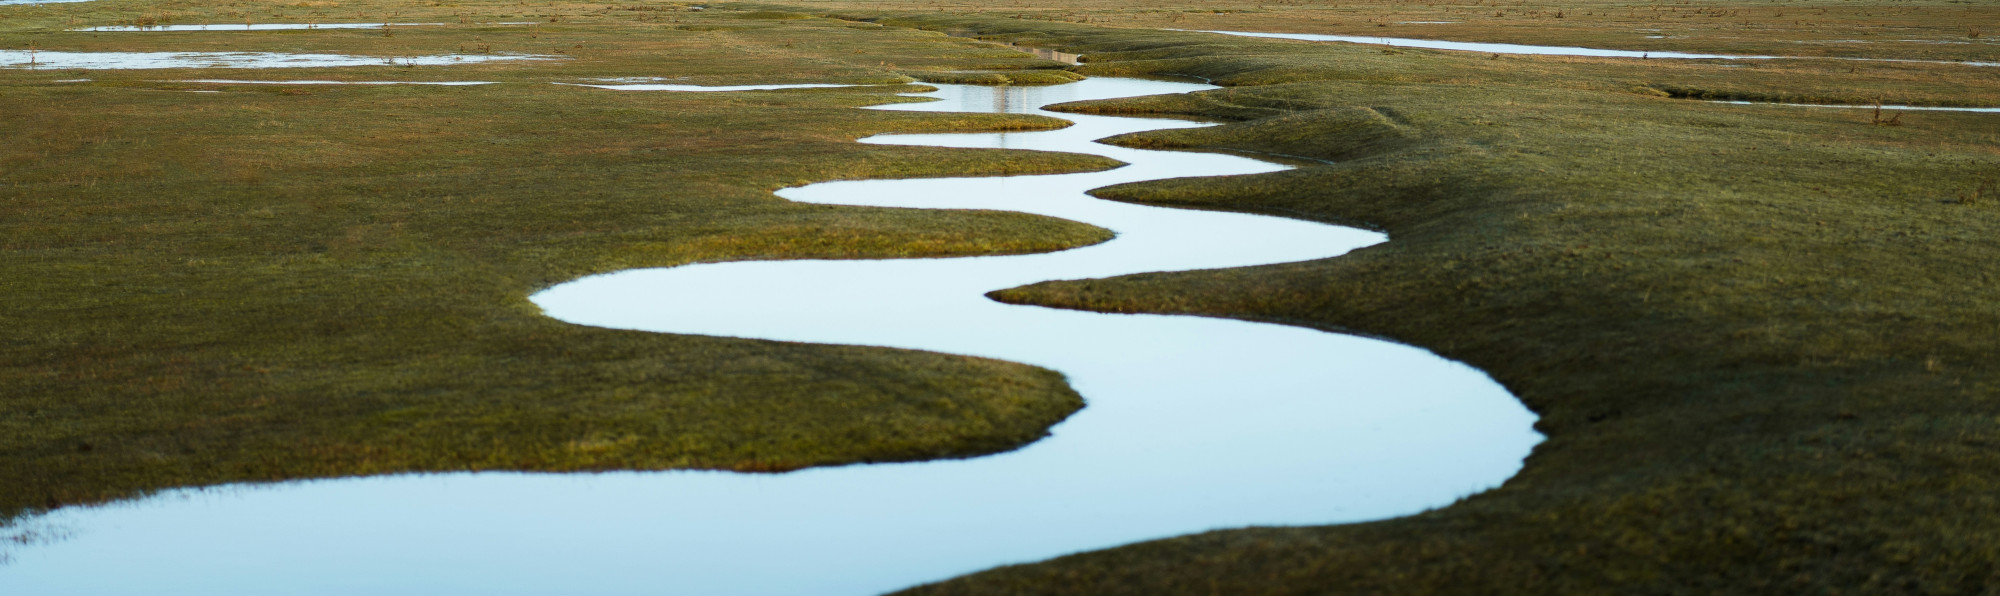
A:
(1510, 48)
(31, 59)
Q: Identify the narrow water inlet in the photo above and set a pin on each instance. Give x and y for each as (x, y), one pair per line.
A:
(1534, 50)
(33, 59)
(1191, 424)
(1860, 107)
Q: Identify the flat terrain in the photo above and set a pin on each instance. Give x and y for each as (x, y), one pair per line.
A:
(1758, 336)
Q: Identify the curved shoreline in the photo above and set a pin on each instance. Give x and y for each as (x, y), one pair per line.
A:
(1193, 423)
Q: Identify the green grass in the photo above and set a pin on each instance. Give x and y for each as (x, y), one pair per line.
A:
(1760, 338)
(278, 282)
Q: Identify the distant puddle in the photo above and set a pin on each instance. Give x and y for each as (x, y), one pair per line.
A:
(149, 60)
(1508, 48)
(240, 82)
(1193, 423)
(269, 26)
(659, 87)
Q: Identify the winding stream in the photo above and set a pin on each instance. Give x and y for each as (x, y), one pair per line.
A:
(1192, 423)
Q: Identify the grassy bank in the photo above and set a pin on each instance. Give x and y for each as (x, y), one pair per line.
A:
(1759, 337)
(272, 282)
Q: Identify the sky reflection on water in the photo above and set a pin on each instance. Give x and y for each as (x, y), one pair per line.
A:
(29, 59)
(1519, 49)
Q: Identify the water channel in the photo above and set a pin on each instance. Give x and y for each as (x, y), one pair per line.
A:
(32, 59)
(1534, 50)
(1192, 423)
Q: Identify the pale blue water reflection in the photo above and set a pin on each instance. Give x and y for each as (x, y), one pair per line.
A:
(32, 59)
(1533, 50)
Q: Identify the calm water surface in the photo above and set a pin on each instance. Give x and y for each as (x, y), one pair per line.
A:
(147, 60)
(1510, 48)
(1192, 423)
(1849, 106)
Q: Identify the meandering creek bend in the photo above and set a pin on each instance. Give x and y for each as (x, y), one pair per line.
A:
(1192, 423)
